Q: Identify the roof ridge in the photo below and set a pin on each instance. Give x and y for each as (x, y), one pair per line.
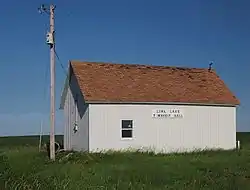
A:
(138, 65)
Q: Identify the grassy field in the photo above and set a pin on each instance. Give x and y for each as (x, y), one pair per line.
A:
(23, 167)
(25, 141)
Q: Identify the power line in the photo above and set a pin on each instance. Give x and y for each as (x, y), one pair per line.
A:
(61, 64)
(46, 73)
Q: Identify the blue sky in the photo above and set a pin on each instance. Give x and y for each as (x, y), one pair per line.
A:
(161, 32)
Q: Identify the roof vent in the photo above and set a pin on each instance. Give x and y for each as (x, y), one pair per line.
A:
(210, 66)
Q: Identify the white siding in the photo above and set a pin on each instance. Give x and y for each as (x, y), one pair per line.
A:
(202, 127)
(66, 136)
(79, 113)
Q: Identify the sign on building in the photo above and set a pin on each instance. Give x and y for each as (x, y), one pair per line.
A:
(168, 113)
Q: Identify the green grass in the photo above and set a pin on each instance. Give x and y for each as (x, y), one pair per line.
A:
(25, 168)
(20, 141)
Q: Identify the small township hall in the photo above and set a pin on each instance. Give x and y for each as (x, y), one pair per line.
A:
(110, 106)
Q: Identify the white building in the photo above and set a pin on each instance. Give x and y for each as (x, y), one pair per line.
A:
(120, 106)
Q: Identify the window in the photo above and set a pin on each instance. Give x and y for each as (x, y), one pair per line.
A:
(127, 128)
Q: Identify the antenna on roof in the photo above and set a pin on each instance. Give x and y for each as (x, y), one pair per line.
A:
(210, 65)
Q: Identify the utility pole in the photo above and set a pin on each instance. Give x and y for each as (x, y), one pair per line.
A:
(52, 85)
(51, 42)
(40, 136)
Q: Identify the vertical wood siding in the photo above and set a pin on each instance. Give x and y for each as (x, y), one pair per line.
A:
(203, 127)
(76, 111)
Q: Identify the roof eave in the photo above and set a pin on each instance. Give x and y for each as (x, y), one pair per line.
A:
(65, 89)
(163, 103)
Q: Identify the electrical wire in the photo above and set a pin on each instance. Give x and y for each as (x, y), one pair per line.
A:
(63, 68)
(45, 81)
(61, 64)
(44, 97)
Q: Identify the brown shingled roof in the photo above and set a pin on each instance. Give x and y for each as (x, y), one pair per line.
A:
(109, 82)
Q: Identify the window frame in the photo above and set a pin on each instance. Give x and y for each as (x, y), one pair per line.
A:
(127, 129)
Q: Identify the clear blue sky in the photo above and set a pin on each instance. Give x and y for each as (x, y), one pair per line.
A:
(162, 32)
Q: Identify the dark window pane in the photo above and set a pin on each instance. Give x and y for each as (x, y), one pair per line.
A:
(127, 123)
(126, 133)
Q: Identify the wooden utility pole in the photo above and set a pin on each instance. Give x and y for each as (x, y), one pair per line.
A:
(51, 42)
(40, 136)
(52, 85)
